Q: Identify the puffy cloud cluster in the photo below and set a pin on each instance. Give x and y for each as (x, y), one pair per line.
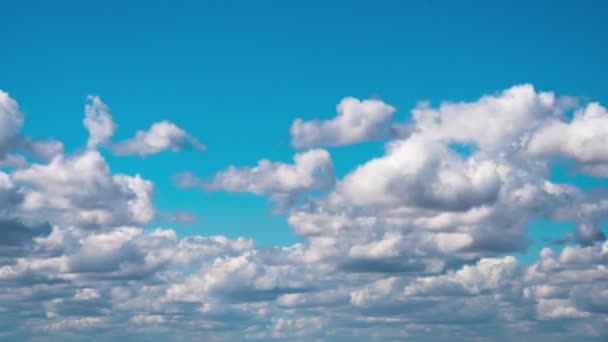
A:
(10, 122)
(312, 170)
(415, 244)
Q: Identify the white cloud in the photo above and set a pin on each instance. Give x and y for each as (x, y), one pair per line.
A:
(80, 190)
(10, 122)
(186, 180)
(410, 245)
(98, 122)
(161, 136)
(356, 121)
(419, 172)
(312, 170)
(584, 138)
(86, 294)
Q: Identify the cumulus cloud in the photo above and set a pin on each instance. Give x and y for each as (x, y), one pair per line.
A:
(42, 149)
(161, 136)
(311, 170)
(11, 139)
(356, 121)
(487, 274)
(410, 245)
(81, 190)
(98, 122)
(588, 233)
(185, 217)
(492, 122)
(10, 122)
(186, 180)
(420, 173)
(583, 138)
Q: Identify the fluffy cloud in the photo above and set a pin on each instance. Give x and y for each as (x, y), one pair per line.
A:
(311, 170)
(420, 173)
(356, 121)
(487, 274)
(493, 122)
(410, 245)
(80, 190)
(98, 122)
(11, 120)
(181, 217)
(588, 233)
(161, 136)
(583, 139)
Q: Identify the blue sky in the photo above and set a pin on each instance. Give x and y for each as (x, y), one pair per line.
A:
(235, 75)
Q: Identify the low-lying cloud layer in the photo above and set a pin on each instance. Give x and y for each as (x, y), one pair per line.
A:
(415, 244)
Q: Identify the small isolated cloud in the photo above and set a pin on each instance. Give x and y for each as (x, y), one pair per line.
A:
(311, 170)
(11, 139)
(98, 122)
(161, 136)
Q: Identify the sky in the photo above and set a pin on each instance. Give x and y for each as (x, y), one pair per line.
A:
(303, 170)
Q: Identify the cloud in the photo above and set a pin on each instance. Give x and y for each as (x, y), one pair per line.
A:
(184, 217)
(311, 170)
(80, 190)
(487, 274)
(421, 173)
(18, 238)
(413, 244)
(583, 138)
(11, 139)
(187, 180)
(241, 278)
(356, 121)
(42, 149)
(588, 233)
(98, 122)
(161, 136)
(493, 122)
(11, 121)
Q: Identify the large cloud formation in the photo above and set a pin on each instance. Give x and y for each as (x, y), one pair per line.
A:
(415, 244)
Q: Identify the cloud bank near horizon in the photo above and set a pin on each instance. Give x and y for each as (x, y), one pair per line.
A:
(418, 243)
